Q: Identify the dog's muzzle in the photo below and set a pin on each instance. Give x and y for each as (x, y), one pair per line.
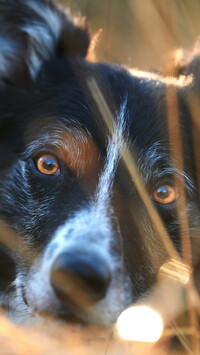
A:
(80, 279)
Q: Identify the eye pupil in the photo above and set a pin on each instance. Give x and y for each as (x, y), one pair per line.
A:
(163, 192)
(49, 163)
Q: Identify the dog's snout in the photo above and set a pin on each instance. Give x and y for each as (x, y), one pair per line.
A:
(80, 279)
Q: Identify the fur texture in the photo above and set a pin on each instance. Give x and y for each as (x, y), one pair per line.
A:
(89, 209)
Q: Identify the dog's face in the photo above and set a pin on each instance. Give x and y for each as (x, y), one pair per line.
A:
(87, 245)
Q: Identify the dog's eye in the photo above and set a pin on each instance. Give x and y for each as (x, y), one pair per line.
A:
(165, 194)
(48, 164)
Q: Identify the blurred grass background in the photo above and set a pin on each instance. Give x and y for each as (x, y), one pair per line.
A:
(140, 33)
(137, 33)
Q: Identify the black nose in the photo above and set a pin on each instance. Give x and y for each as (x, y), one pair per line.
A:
(80, 279)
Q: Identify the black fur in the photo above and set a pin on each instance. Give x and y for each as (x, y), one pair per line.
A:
(43, 98)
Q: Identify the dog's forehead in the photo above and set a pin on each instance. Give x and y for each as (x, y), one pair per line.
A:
(71, 96)
(72, 122)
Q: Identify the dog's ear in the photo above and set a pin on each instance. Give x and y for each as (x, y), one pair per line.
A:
(31, 32)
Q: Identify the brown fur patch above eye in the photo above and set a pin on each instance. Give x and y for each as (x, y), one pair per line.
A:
(80, 153)
(69, 142)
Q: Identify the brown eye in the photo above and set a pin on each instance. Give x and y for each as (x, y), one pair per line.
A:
(48, 164)
(165, 194)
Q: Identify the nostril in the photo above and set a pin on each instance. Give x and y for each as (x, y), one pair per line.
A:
(80, 279)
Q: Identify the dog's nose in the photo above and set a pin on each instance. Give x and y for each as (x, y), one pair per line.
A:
(80, 279)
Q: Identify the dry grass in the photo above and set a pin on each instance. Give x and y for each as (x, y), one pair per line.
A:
(53, 339)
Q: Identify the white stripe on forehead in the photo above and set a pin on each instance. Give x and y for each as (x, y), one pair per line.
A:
(115, 148)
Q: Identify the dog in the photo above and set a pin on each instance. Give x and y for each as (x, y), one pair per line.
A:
(77, 241)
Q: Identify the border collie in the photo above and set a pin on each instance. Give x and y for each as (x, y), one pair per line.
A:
(76, 238)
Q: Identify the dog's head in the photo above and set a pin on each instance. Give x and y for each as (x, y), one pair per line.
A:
(86, 245)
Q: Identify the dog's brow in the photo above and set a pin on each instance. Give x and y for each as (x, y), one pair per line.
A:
(53, 135)
(71, 143)
(156, 163)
